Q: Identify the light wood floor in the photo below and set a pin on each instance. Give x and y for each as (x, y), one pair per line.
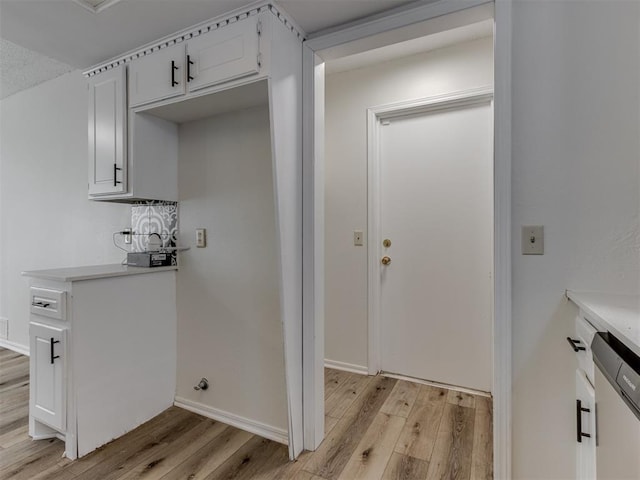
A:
(376, 428)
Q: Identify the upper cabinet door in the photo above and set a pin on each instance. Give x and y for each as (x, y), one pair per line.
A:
(107, 132)
(157, 76)
(224, 54)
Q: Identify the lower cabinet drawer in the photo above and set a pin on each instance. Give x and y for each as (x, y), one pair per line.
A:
(48, 303)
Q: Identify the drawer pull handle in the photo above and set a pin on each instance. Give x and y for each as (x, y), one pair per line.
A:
(579, 410)
(53, 356)
(41, 304)
(572, 342)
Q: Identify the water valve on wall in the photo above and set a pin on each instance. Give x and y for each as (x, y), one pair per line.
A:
(203, 384)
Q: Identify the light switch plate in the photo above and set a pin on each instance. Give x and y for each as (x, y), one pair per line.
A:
(201, 237)
(533, 240)
(358, 238)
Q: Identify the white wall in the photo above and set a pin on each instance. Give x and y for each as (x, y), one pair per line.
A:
(46, 220)
(229, 322)
(348, 95)
(576, 120)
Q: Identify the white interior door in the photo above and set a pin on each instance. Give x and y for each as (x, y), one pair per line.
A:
(436, 209)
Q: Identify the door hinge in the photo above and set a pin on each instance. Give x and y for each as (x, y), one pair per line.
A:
(259, 28)
(259, 60)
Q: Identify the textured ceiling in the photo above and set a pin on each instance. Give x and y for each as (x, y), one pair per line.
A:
(21, 68)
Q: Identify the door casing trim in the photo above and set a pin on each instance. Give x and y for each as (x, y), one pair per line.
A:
(313, 212)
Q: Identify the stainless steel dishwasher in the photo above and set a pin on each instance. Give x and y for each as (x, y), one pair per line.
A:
(617, 388)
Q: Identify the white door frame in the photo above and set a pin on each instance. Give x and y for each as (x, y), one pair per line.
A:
(313, 214)
(467, 98)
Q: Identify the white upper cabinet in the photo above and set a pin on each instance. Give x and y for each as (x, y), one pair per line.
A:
(225, 54)
(107, 132)
(158, 76)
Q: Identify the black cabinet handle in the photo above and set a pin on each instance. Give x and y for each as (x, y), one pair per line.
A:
(173, 73)
(41, 304)
(53, 357)
(115, 175)
(579, 432)
(189, 63)
(572, 342)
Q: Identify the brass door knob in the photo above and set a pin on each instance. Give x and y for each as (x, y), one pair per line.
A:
(386, 260)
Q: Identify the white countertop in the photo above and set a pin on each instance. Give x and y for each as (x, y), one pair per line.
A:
(74, 274)
(617, 314)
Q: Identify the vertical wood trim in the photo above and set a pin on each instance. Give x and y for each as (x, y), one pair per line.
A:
(502, 357)
(373, 244)
(313, 250)
(285, 110)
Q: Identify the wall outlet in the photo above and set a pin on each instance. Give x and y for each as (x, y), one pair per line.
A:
(4, 328)
(201, 237)
(533, 240)
(358, 238)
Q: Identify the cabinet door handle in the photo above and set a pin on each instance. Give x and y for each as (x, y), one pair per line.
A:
(115, 175)
(189, 63)
(41, 304)
(579, 432)
(573, 343)
(174, 67)
(53, 357)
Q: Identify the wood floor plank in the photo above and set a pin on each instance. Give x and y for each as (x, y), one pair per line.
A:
(123, 447)
(209, 457)
(403, 467)
(334, 452)
(13, 437)
(112, 466)
(462, 399)
(29, 466)
(374, 450)
(169, 455)
(329, 423)
(421, 428)
(402, 398)
(179, 445)
(340, 401)
(452, 452)
(333, 379)
(258, 459)
(482, 458)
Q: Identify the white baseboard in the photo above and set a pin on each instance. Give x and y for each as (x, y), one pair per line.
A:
(347, 367)
(252, 426)
(14, 346)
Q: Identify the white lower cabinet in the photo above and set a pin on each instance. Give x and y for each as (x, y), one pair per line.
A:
(95, 374)
(47, 369)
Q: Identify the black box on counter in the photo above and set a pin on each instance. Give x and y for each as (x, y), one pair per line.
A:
(148, 259)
